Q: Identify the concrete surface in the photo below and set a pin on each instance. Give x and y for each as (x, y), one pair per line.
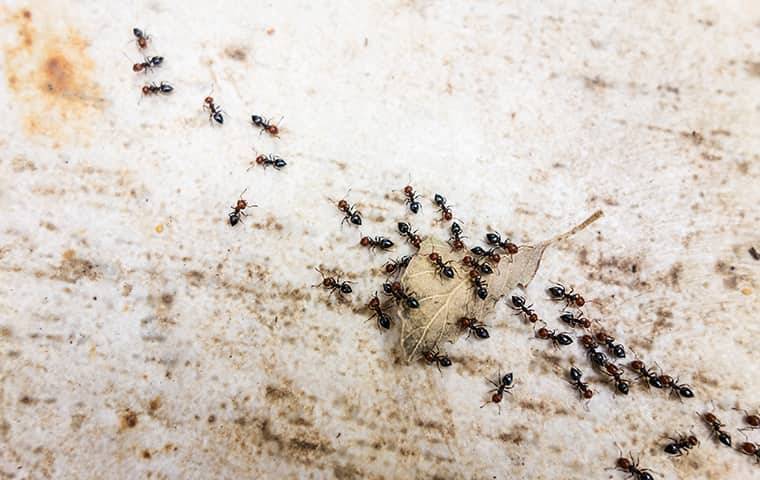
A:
(142, 337)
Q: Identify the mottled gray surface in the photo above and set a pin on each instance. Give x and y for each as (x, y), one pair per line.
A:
(142, 337)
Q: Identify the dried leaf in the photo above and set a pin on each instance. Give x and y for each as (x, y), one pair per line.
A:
(443, 301)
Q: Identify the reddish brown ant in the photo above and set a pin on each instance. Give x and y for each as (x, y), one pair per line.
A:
(504, 385)
(154, 89)
(576, 380)
(141, 38)
(445, 210)
(518, 303)
(383, 319)
(395, 265)
(411, 235)
(148, 64)
(646, 374)
(215, 111)
(679, 390)
(455, 241)
(481, 267)
(334, 284)
(411, 199)
(271, 160)
(376, 242)
(621, 384)
(479, 286)
(238, 210)
(598, 359)
(681, 445)
(616, 349)
(434, 356)
(472, 324)
(631, 467)
(716, 428)
(574, 320)
(265, 125)
(558, 292)
(442, 268)
(557, 339)
(399, 294)
(352, 215)
(751, 419)
(491, 254)
(494, 239)
(749, 448)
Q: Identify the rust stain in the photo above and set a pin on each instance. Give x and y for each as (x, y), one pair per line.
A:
(51, 77)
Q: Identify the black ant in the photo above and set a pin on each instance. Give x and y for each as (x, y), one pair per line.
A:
(527, 310)
(598, 359)
(215, 111)
(482, 267)
(716, 428)
(334, 284)
(351, 213)
(265, 125)
(411, 199)
(238, 210)
(383, 319)
(148, 64)
(558, 292)
(557, 339)
(472, 324)
(681, 445)
(445, 210)
(395, 265)
(616, 349)
(679, 390)
(271, 160)
(646, 374)
(376, 242)
(749, 448)
(621, 384)
(154, 89)
(455, 241)
(631, 467)
(478, 285)
(434, 356)
(576, 380)
(442, 268)
(504, 385)
(494, 239)
(411, 235)
(141, 37)
(751, 419)
(491, 254)
(575, 320)
(397, 292)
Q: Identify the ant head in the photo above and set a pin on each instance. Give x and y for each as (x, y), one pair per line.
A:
(364, 241)
(138, 67)
(273, 130)
(145, 89)
(434, 256)
(374, 302)
(260, 159)
(209, 100)
(408, 190)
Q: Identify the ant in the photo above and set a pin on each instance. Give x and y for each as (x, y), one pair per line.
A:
(271, 160)
(598, 359)
(442, 268)
(519, 304)
(215, 111)
(749, 448)
(411, 235)
(394, 265)
(154, 89)
(482, 267)
(334, 284)
(751, 419)
(472, 324)
(478, 285)
(383, 319)
(646, 374)
(376, 242)
(679, 390)
(716, 428)
(575, 320)
(397, 292)
(490, 254)
(681, 445)
(617, 350)
(265, 125)
(434, 356)
(149, 64)
(351, 213)
(621, 384)
(411, 199)
(558, 292)
(494, 239)
(632, 468)
(557, 338)
(576, 380)
(141, 37)
(504, 385)
(445, 210)
(238, 210)
(455, 241)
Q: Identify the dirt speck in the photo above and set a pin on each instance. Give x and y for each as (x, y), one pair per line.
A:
(72, 268)
(236, 53)
(753, 68)
(127, 419)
